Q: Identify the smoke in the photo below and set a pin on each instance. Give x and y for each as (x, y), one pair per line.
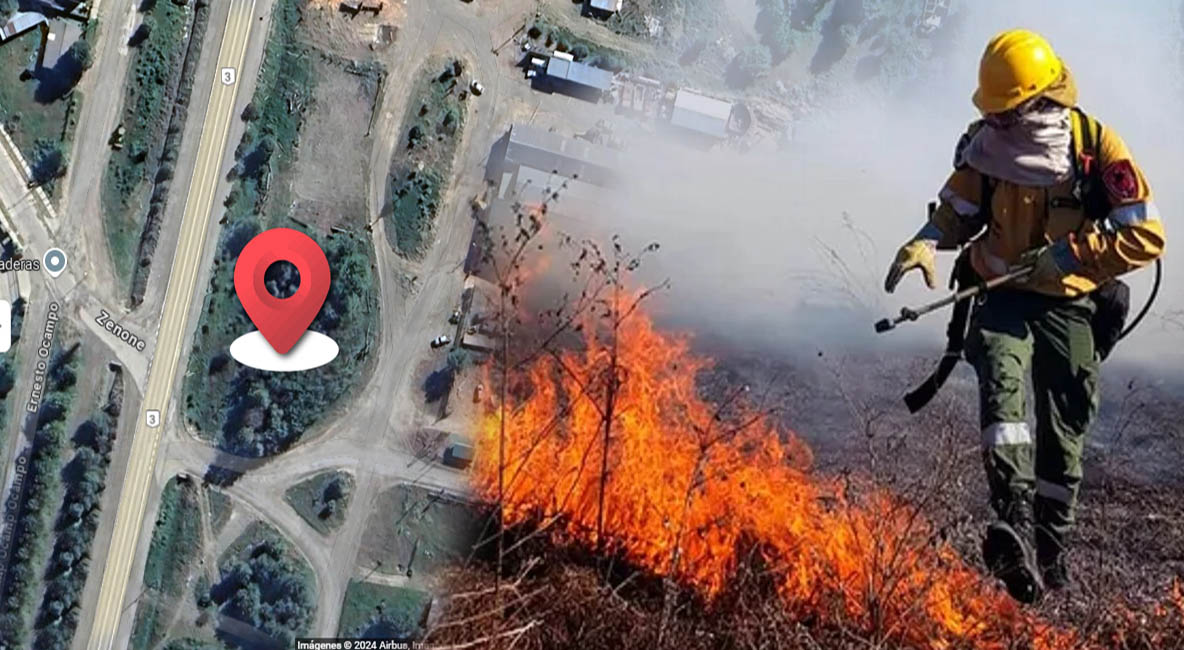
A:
(789, 248)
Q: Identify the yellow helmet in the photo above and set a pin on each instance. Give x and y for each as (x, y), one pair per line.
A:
(1017, 65)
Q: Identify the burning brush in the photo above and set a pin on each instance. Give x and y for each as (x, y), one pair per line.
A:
(642, 466)
(607, 444)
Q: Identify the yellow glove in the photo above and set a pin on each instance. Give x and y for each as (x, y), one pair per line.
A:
(918, 253)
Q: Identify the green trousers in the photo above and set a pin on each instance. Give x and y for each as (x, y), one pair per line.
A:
(1014, 332)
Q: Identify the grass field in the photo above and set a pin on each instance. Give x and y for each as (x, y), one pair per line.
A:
(152, 76)
(322, 500)
(415, 526)
(174, 546)
(422, 168)
(220, 509)
(254, 534)
(37, 111)
(374, 610)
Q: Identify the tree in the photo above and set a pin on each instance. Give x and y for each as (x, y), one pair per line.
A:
(141, 34)
(451, 120)
(335, 489)
(580, 51)
(80, 54)
(7, 8)
(49, 161)
(249, 113)
(805, 13)
(775, 29)
(749, 64)
(609, 61)
(457, 359)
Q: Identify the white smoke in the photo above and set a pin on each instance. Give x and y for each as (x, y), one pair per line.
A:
(790, 248)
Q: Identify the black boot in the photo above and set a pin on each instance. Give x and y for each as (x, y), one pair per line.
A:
(1008, 552)
(1050, 555)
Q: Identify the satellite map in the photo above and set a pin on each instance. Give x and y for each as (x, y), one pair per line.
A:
(564, 324)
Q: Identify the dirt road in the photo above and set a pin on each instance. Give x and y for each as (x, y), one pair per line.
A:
(81, 228)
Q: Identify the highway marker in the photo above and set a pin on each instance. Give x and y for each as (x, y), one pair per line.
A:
(282, 321)
(152, 418)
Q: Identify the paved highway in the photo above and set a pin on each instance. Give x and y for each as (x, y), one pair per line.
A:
(170, 339)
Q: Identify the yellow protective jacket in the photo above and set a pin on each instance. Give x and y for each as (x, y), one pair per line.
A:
(1123, 231)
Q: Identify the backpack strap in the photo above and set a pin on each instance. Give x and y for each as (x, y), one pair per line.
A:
(1087, 166)
(985, 193)
(1085, 139)
(1088, 192)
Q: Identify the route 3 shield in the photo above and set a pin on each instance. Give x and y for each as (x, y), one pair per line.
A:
(228, 76)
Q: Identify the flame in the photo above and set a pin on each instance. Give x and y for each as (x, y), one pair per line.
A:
(687, 491)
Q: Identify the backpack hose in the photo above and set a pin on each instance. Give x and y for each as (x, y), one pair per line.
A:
(1155, 284)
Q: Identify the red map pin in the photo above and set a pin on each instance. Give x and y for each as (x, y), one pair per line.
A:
(282, 321)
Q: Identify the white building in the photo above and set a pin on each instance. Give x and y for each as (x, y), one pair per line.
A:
(701, 114)
(611, 6)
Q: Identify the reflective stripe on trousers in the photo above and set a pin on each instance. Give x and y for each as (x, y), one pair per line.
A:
(1054, 491)
(1007, 433)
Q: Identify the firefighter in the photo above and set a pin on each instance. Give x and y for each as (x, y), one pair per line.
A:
(1036, 182)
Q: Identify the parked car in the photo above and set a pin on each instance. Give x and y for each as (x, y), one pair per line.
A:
(455, 317)
(476, 88)
(478, 392)
(116, 139)
(441, 341)
(458, 454)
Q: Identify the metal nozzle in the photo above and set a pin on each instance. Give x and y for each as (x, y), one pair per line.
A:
(883, 325)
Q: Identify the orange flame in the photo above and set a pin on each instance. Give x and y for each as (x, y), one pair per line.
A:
(686, 488)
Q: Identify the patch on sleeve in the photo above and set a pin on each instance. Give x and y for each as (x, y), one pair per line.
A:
(1121, 181)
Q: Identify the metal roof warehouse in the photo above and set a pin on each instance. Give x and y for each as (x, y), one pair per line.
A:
(579, 73)
(701, 113)
(548, 152)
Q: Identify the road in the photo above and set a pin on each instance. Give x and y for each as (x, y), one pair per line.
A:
(170, 342)
(81, 229)
(369, 436)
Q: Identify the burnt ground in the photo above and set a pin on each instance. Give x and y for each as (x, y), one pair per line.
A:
(1129, 543)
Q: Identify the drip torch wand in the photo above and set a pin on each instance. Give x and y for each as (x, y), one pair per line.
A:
(909, 314)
